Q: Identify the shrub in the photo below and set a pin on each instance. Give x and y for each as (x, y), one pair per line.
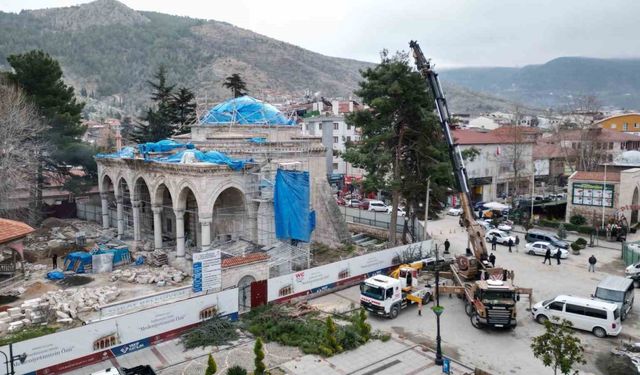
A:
(577, 220)
(259, 360)
(581, 241)
(562, 232)
(215, 331)
(211, 366)
(575, 246)
(236, 370)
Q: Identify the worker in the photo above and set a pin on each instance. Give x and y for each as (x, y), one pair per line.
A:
(492, 259)
(510, 244)
(592, 263)
(446, 245)
(54, 260)
(517, 243)
(547, 256)
(468, 252)
(558, 253)
(419, 308)
(494, 241)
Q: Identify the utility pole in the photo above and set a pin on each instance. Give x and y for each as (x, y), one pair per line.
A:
(426, 209)
(604, 187)
(438, 311)
(533, 191)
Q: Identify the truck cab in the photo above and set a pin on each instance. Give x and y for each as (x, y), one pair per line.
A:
(386, 296)
(495, 303)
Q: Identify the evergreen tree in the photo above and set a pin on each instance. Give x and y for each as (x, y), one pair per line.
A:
(259, 360)
(157, 124)
(183, 108)
(236, 84)
(236, 370)
(331, 340)
(401, 144)
(212, 368)
(162, 91)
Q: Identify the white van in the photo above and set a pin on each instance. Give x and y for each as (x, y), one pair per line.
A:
(377, 206)
(601, 318)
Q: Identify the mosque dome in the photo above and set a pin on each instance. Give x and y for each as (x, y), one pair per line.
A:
(245, 110)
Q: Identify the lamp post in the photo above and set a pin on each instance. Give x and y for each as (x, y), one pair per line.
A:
(12, 358)
(438, 310)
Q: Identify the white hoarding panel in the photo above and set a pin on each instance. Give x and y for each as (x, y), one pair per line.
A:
(207, 271)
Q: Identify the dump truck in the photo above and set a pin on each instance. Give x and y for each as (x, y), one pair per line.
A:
(386, 295)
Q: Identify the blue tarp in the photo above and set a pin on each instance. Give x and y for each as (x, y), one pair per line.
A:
(245, 110)
(213, 157)
(258, 140)
(120, 256)
(55, 275)
(294, 220)
(162, 146)
(78, 262)
(124, 153)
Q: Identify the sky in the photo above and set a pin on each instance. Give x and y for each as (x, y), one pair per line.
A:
(454, 33)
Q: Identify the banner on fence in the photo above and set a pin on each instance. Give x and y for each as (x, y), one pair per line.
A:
(94, 342)
(207, 271)
(133, 304)
(318, 279)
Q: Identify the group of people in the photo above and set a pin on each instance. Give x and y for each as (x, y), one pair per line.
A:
(510, 243)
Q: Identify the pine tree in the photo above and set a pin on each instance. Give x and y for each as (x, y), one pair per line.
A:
(211, 366)
(162, 91)
(236, 84)
(157, 124)
(183, 108)
(331, 340)
(259, 360)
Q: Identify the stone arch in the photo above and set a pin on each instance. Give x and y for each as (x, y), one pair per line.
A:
(123, 197)
(163, 200)
(634, 206)
(229, 215)
(244, 292)
(188, 202)
(141, 196)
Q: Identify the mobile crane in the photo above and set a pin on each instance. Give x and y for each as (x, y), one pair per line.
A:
(490, 301)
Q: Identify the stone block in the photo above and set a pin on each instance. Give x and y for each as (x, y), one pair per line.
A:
(61, 314)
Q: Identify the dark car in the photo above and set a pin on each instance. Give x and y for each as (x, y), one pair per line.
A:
(537, 235)
(478, 205)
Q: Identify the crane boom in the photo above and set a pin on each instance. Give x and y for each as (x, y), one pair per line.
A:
(474, 230)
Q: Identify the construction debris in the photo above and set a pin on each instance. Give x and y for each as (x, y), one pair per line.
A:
(158, 258)
(165, 275)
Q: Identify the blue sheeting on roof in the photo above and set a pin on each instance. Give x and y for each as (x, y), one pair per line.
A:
(163, 146)
(124, 153)
(245, 110)
(213, 157)
(294, 219)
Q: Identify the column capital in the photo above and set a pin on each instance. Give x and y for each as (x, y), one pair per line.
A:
(205, 220)
(104, 195)
(179, 213)
(156, 209)
(136, 204)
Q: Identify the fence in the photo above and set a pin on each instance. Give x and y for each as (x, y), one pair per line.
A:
(382, 220)
(631, 252)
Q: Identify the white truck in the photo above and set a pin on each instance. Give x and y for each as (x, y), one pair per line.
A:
(386, 296)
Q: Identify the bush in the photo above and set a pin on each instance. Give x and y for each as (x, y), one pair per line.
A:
(581, 241)
(215, 331)
(575, 246)
(578, 220)
(259, 359)
(211, 366)
(236, 370)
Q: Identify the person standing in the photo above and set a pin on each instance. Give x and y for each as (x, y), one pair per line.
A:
(492, 259)
(510, 244)
(446, 245)
(420, 308)
(592, 263)
(54, 260)
(517, 243)
(494, 241)
(558, 254)
(547, 256)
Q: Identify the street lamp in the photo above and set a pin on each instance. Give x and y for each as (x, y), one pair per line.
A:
(9, 362)
(438, 310)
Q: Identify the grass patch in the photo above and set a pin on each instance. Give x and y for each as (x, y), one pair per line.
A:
(213, 332)
(26, 334)
(310, 332)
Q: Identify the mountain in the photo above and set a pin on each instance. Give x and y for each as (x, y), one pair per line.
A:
(614, 82)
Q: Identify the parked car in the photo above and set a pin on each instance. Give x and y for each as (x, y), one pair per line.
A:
(486, 225)
(534, 235)
(455, 211)
(601, 318)
(364, 204)
(501, 237)
(341, 202)
(355, 203)
(633, 272)
(618, 290)
(377, 206)
(401, 211)
(540, 248)
(479, 205)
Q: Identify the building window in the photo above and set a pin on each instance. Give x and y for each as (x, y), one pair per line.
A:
(285, 290)
(335, 166)
(348, 139)
(635, 125)
(344, 274)
(349, 126)
(614, 126)
(610, 145)
(319, 126)
(335, 139)
(625, 127)
(336, 126)
(208, 313)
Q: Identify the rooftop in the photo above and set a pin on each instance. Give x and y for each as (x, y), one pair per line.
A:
(502, 135)
(596, 176)
(244, 259)
(12, 230)
(245, 110)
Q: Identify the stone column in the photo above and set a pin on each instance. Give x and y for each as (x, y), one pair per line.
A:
(179, 233)
(135, 206)
(157, 227)
(205, 229)
(105, 209)
(120, 215)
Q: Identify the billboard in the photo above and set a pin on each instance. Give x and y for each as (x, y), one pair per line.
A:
(77, 347)
(207, 271)
(591, 194)
(318, 279)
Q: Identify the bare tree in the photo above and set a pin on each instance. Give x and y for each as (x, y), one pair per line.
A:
(514, 154)
(20, 145)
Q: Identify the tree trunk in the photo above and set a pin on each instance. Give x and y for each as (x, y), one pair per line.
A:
(395, 191)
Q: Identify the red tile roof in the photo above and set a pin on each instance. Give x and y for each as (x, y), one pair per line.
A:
(241, 260)
(596, 176)
(12, 230)
(502, 135)
(549, 151)
(597, 134)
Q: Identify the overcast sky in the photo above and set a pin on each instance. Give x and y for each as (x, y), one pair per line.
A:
(452, 32)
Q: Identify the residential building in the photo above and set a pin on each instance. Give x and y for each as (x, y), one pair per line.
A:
(483, 122)
(626, 122)
(491, 170)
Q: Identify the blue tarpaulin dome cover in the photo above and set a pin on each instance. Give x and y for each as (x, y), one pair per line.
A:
(245, 110)
(214, 157)
(163, 146)
(294, 219)
(124, 153)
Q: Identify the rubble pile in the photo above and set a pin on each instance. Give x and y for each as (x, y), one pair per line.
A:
(165, 275)
(58, 234)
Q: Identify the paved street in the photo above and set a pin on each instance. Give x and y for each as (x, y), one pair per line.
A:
(504, 352)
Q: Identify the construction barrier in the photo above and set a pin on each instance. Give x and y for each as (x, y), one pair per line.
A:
(631, 252)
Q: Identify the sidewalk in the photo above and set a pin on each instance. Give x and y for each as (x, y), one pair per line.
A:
(572, 236)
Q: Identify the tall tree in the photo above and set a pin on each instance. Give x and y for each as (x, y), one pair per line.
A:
(183, 108)
(156, 124)
(236, 84)
(558, 347)
(40, 76)
(401, 143)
